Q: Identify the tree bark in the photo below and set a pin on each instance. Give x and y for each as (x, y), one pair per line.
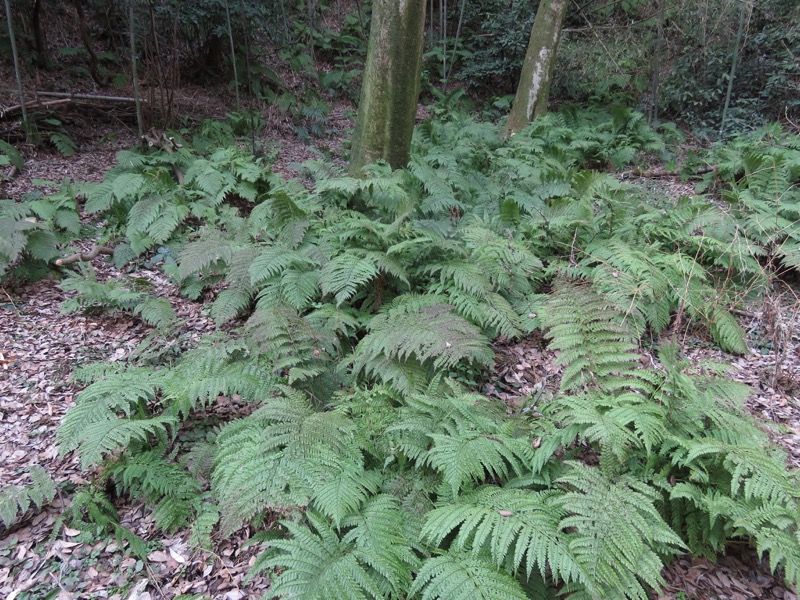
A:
(87, 43)
(390, 88)
(537, 69)
(40, 42)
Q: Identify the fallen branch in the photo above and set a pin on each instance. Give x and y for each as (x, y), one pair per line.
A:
(86, 97)
(84, 256)
(33, 104)
(655, 173)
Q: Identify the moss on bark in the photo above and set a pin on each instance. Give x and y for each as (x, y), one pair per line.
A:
(390, 88)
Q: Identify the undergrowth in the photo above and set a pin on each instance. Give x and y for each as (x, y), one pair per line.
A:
(348, 305)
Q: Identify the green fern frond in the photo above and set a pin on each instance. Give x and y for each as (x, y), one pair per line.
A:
(431, 332)
(727, 332)
(753, 473)
(341, 487)
(248, 477)
(784, 550)
(229, 304)
(345, 274)
(617, 533)
(169, 486)
(204, 374)
(292, 343)
(12, 154)
(102, 402)
(16, 500)
(100, 438)
(515, 528)
(591, 334)
(473, 457)
(315, 563)
(212, 247)
(267, 460)
(460, 435)
(459, 576)
(274, 260)
(618, 423)
(156, 311)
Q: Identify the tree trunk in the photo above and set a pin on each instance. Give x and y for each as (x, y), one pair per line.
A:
(87, 43)
(537, 69)
(40, 42)
(390, 88)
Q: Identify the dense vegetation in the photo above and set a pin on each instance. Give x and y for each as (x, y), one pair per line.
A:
(336, 412)
(356, 319)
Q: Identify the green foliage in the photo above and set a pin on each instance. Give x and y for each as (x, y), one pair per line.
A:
(766, 78)
(324, 404)
(759, 176)
(91, 511)
(112, 296)
(169, 486)
(16, 500)
(9, 155)
(33, 231)
(147, 197)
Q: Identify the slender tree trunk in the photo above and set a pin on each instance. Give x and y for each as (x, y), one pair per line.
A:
(94, 70)
(134, 74)
(734, 63)
(39, 39)
(17, 71)
(390, 89)
(233, 52)
(656, 83)
(537, 69)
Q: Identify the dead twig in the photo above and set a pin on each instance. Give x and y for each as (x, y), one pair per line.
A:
(84, 256)
(657, 173)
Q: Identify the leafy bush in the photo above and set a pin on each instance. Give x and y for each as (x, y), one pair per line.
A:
(350, 303)
(33, 231)
(147, 197)
(759, 175)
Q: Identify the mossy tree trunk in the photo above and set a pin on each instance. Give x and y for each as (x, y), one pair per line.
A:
(390, 89)
(537, 69)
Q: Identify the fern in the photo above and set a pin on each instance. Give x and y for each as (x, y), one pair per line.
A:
(272, 458)
(10, 154)
(343, 275)
(455, 576)
(618, 533)
(515, 528)
(460, 437)
(417, 332)
(328, 407)
(170, 487)
(591, 334)
(33, 231)
(16, 500)
(101, 438)
(315, 563)
(126, 393)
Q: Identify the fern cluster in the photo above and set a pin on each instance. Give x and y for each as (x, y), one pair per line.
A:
(147, 197)
(326, 401)
(34, 230)
(759, 175)
(16, 500)
(130, 294)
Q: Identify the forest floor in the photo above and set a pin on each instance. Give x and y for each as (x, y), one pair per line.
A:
(40, 348)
